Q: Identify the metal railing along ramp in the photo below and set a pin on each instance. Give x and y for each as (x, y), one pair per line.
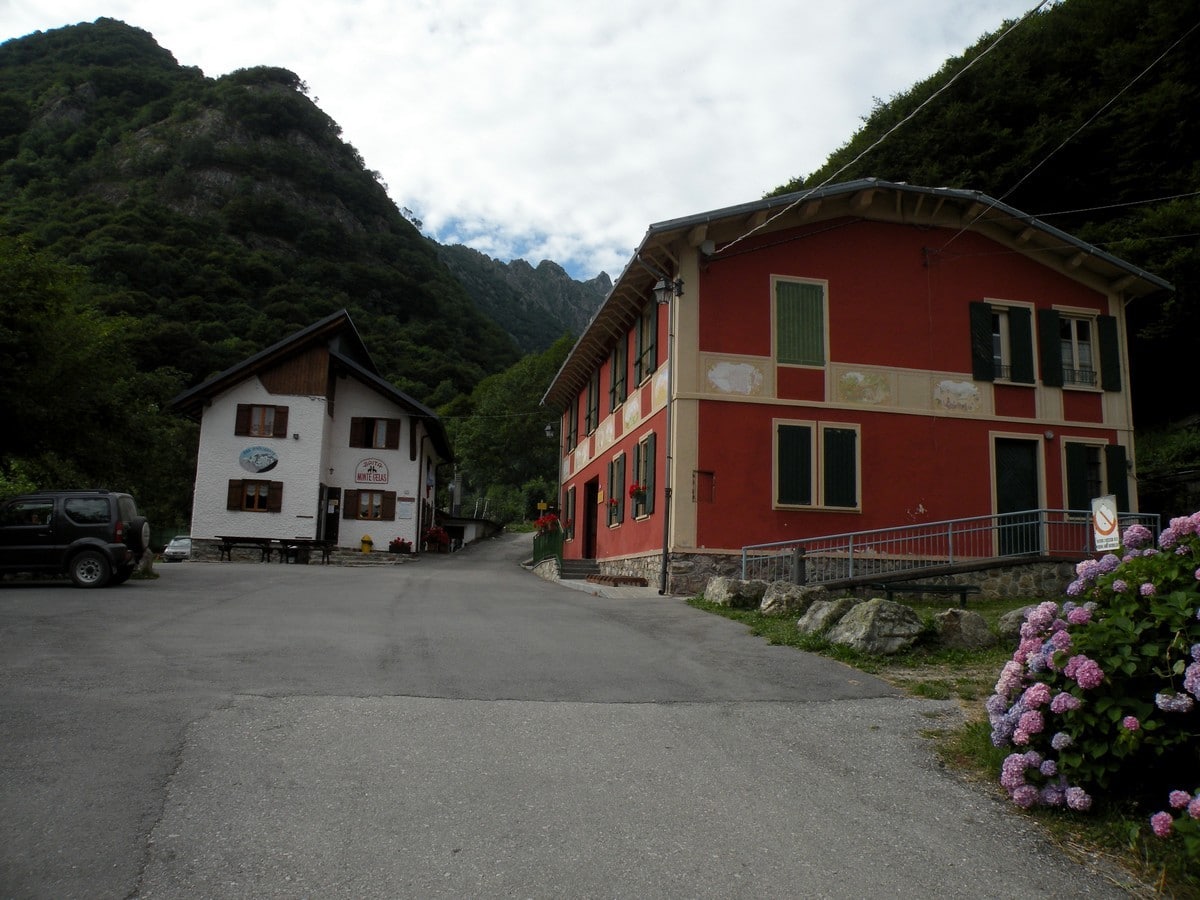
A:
(892, 554)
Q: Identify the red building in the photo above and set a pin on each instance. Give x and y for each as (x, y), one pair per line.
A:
(859, 356)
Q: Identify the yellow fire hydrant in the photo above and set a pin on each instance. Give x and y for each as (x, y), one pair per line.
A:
(367, 544)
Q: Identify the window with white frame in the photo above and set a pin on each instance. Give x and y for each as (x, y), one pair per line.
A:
(1075, 346)
(641, 490)
(593, 402)
(618, 366)
(1095, 470)
(646, 336)
(817, 465)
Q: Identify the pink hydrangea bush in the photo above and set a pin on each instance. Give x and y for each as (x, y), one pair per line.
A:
(1099, 698)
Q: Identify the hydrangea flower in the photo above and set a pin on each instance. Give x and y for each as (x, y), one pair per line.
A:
(1136, 536)
(1119, 586)
(1161, 823)
(1085, 672)
(1078, 799)
(1064, 702)
(1179, 703)
(1148, 589)
(1037, 694)
(1130, 723)
(1179, 799)
(1061, 741)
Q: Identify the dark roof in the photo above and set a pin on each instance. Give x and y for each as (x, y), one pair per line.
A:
(346, 349)
(979, 212)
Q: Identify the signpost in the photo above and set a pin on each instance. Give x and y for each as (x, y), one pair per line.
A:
(1105, 522)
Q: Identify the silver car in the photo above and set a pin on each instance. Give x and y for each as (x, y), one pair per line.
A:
(179, 549)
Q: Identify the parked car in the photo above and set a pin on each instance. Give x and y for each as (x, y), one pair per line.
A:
(179, 549)
(94, 536)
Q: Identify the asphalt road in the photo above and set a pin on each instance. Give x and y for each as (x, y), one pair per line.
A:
(457, 727)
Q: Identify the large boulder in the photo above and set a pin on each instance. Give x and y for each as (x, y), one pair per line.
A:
(878, 627)
(963, 629)
(782, 598)
(1009, 624)
(822, 614)
(734, 592)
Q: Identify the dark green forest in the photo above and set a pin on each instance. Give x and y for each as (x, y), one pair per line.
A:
(158, 225)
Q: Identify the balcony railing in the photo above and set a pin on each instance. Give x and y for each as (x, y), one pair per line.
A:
(548, 544)
(893, 553)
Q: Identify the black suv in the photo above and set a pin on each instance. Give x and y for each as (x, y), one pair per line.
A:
(96, 537)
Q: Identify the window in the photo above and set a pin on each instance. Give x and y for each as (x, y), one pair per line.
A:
(800, 322)
(255, 496)
(379, 506)
(261, 421)
(1075, 338)
(1002, 343)
(568, 519)
(646, 335)
(643, 476)
(593, 402)
(618, 365)
(1073, 345)
(87, 511)
(572, 426)
(615, 502)
(28, 512)
(1095, 470)
(816, 465)
(375, 434)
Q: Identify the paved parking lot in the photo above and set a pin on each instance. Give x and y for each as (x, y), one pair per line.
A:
(457, 727)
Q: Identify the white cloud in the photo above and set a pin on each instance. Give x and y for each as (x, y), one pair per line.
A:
(561, 130)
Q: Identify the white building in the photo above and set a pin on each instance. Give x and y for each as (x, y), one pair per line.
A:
(305, 442)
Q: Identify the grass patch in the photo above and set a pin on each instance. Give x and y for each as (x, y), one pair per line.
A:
(1116, 835)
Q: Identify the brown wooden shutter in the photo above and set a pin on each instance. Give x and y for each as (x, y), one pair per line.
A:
(281, 422)
(350, 505)
(275, 496)
(241, 424)
(412, 438)
(358, 432)
(392, 441)
(234, 498)
(388, 509)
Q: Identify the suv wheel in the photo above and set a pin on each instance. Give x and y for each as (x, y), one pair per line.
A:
(90, 568)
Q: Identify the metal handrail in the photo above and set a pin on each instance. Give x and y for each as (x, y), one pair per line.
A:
(1059, 534)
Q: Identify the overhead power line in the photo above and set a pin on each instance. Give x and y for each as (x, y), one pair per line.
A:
(891, 130)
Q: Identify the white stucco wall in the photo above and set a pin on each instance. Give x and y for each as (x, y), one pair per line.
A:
(403, 474)
(298, 466)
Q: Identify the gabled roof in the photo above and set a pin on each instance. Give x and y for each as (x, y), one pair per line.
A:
(866, 198)
(346, 349)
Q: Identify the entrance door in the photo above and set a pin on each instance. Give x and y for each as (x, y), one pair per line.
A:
(591, 517)
(331, 513)
(1017, 492)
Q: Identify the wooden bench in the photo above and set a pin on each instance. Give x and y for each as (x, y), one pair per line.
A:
(292, 550)
(230, 543)
(891, 589)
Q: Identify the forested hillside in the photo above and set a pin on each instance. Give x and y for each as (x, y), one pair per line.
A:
(1085, 115)
(220, 215)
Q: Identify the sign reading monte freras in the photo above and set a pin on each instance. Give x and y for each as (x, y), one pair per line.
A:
(371, 471)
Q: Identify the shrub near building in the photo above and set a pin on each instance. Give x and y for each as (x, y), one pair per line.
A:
(1100, 697)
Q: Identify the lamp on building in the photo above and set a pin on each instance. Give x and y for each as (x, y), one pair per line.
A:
(666, 290)
(549, 431)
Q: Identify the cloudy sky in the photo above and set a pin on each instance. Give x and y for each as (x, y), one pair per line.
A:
(561, 129)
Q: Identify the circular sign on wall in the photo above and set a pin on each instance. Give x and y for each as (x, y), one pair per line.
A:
(258, 459)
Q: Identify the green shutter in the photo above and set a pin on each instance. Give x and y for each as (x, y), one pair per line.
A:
(800, 323)
(619, 475)
(648, 474)
(840, 467)
(1117, 474)
(1020, 339)
(1077, 477)
(1110, 353)
(1050, 348)
(794, 443)
(982, 367)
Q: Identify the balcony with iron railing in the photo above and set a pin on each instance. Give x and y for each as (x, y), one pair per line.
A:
(893, 554)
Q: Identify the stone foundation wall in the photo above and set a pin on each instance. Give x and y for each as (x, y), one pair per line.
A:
(688, 574)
